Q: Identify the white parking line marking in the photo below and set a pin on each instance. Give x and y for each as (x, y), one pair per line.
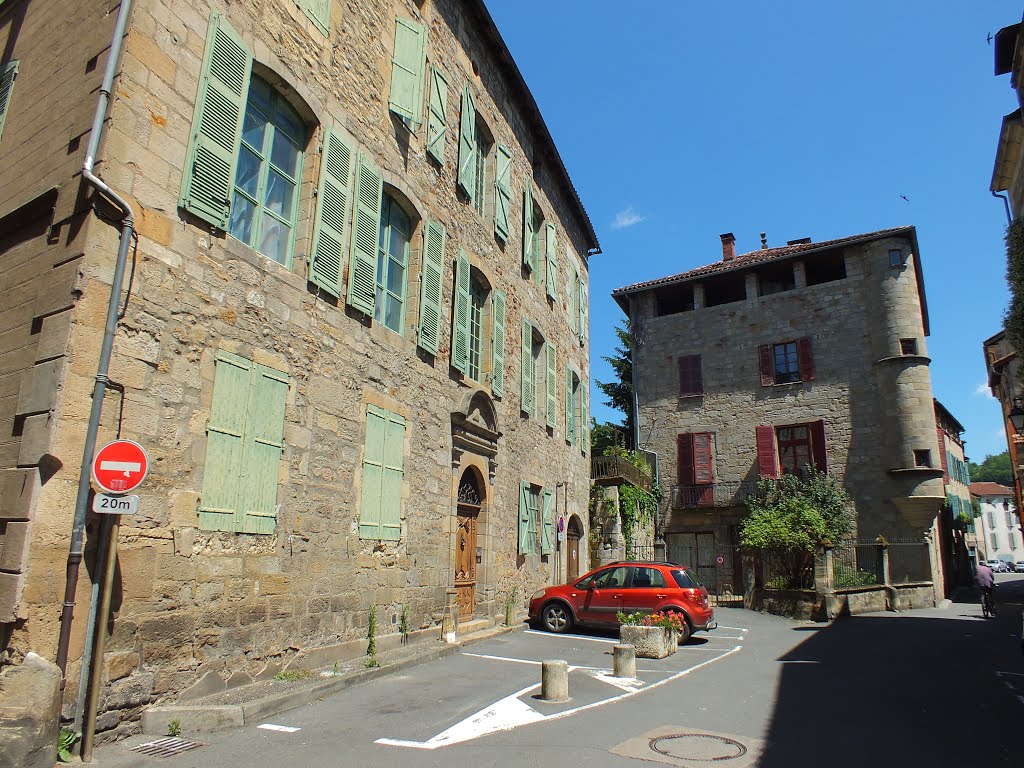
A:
(717, 636)
(624, 683)
(509, 713)
(281, 728)
(572, 637)
(501, 658)
(737, 629)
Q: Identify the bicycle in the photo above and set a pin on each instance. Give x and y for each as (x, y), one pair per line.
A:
(988, 606)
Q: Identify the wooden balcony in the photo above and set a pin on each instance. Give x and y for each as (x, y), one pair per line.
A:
(614, 470)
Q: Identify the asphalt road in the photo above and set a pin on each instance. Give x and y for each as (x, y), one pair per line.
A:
(940, 687)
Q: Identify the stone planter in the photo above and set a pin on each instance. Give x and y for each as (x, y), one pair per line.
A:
(650, 642)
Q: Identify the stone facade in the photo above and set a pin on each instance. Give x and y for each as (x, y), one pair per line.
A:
(849, 319)
(954, 530)
(197, 609)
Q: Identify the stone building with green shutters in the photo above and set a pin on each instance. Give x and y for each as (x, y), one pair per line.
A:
(354, 340)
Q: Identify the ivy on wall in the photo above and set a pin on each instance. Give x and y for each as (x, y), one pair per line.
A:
(1014, 319)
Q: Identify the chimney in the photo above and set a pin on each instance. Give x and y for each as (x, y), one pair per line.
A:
(764, 241)
(728, 246)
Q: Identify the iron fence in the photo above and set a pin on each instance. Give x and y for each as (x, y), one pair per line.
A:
(909, 561)
(856, 564)
(641, 552)
(727, 494)
(787, 569)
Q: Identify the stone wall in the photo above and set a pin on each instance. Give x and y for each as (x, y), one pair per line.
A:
(190, 604)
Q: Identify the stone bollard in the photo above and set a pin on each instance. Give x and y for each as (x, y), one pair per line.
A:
(554, 680)
(624, 661)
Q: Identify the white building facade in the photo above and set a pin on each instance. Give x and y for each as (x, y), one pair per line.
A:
(1000, 534)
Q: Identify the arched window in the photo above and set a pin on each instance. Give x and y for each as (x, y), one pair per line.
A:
(264, 202)
(392, 264)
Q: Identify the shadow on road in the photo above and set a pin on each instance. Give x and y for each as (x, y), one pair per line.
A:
(939, 688)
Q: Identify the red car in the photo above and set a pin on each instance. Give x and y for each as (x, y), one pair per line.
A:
(598, 597)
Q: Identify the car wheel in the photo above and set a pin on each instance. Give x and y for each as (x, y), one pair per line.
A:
(686, 631)
(556, 617)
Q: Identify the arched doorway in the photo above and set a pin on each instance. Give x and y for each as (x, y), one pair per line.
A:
(573, 534)
(470, 500)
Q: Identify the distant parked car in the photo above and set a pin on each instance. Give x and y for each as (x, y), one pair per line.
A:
(1018, 567)
(997, 566)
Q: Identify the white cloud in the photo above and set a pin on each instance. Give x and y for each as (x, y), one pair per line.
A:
(627, 217)
(983, 390)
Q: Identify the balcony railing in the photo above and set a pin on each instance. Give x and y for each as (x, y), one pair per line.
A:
(722, 494)
(615, 470)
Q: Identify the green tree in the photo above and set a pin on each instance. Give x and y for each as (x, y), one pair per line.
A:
(792, 513)
(619, 393)
(994, 469)
(605, 436)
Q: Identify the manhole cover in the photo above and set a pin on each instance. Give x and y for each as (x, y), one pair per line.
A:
(703, 747)
(168, 747)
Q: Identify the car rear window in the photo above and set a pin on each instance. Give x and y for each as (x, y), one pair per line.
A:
(685, 579)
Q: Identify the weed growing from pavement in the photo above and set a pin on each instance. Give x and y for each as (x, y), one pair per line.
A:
(371, 639)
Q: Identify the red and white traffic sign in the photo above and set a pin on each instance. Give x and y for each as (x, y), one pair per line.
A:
(120, 466)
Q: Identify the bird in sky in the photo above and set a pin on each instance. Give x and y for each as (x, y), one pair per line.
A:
(905, 198)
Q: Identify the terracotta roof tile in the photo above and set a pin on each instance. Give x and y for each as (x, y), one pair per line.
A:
(759, 257)
(990, 489)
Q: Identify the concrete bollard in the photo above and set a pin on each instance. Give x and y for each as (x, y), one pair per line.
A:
(624, 661)
(554, 680)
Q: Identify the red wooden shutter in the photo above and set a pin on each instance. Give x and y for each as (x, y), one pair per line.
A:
(818, 446)
(702, 472)
(767, 363)
(685, 466)
(803, 353)
(768, 465)
(691, 379)
(942, 454)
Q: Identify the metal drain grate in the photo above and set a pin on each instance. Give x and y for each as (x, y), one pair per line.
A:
(168, 747)
(701, 747)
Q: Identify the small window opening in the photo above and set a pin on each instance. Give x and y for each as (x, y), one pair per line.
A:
(725, 289)
(922, 458)
(775, 279)
(673, 300)
(825, 267)
(896, 258)
(908, 346)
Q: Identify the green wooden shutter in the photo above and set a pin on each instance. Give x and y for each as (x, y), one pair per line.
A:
(570, 408)
(574, 297)
(526, 387)
(584, 418)
(498, 346)
(526, 537)
(327, 260)
(373, 473)
(225, 435)
(460, 315)
(502, 191)
(393, 478)
(552, 385)
(362, 281)
(7, 78)
(583, 311)
(467, 144)
(429, 336)
(545, 539)
(407, 67)
(319, 12)
(216, 126)
(437, 122)
(528, 226)
(264, 442)
(551, 261)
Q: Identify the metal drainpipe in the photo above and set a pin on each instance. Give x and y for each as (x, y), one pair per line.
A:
(1006, 204)
(127, 227)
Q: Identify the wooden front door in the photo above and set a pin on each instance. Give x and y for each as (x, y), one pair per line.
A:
(465, 561)
(572, 539)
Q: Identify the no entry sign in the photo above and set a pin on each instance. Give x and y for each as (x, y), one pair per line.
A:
(120, 466)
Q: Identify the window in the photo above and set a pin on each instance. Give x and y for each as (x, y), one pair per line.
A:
(483, 151)
(908, 346)
(673, 299)
(775, 278)
(392, 264)
(572, 404)
(383, 475)
(825, 267)
(264, 201)
(538, 370)
(790, 449)
(648, 578)
(502, 191)
(922, 458)
(477, 306)
(994, 540)
(533, 232)
(538, 382)
(725, 289)
(468, 145)
(691, 379)
(478, 327)
(550, 262)
(536, 519)
(437, 121)
(896, 258)
(244, 440)
(609, 578)
(794, 449)
(7, 77)
(786, 362)
(695, 468)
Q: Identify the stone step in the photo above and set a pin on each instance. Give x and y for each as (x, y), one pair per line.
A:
(473, 625)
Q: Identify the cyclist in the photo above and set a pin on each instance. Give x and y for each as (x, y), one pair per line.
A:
(987, 583)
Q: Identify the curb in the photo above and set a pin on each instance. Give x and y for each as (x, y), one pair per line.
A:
(216, 717)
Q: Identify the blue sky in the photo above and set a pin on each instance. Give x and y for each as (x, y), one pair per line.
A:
(679, 121)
